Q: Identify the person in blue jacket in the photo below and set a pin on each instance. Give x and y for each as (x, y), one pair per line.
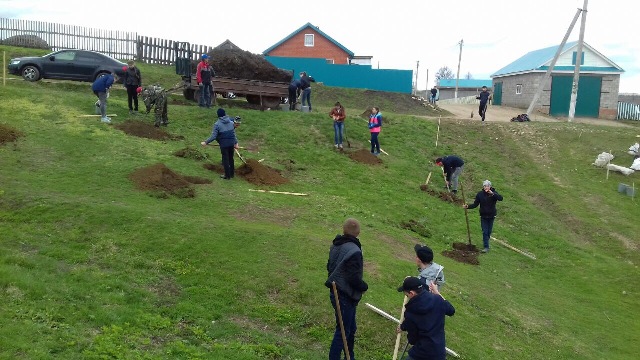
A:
(101, 88)
(424, 319)
(224, 133)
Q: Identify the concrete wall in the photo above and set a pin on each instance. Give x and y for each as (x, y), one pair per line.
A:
(531, 81)
(446, 93)
(321, 49)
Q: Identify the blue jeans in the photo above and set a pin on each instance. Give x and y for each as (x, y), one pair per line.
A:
(487, 228)
(348, 310)
(375, 144)
(306, 96)
(338, 128)
(205, 94)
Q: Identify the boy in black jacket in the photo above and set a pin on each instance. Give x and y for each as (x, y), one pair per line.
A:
(487, 199)
(424, 320)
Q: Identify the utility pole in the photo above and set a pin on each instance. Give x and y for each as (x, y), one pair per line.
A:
(576, 73)
(547, 75)
(455, 95)
(415, 91)
(426, 94)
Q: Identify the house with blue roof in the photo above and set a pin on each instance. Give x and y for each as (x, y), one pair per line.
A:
(466, 87)
(515, 84)
(311, 50)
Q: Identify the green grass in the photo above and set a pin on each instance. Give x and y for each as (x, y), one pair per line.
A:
(92, 268)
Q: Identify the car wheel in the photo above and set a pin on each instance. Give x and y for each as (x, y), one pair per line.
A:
(31, 73)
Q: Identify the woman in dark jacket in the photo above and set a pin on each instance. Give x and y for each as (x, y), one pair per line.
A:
(132, 81)
(487, 199)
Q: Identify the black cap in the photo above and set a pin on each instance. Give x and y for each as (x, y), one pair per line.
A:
(411, 283)
(424, 253)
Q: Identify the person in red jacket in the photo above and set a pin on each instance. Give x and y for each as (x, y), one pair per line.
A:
(204, 75)
(338, 115)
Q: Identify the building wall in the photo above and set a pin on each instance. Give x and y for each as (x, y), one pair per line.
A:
(322, 48)
(448, 93)
(531, 81)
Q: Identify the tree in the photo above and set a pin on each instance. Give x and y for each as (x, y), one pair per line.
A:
(444, 73)
(468, 76)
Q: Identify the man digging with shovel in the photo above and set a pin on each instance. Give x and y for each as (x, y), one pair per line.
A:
(487, 199)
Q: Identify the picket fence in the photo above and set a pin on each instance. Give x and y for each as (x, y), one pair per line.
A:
(118, 44)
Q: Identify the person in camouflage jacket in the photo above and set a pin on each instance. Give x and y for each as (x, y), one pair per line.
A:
(156, 96)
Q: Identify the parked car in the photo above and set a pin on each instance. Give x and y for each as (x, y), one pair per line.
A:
(79, 65)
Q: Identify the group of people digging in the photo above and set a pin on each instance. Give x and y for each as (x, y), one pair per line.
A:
(152, 96)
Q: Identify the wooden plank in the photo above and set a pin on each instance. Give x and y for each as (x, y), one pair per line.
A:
(513, 248)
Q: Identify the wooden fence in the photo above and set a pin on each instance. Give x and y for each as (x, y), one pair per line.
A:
(118, 44)
(628, 111)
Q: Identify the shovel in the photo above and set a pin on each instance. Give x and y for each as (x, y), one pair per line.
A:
(466, 212)
(344, 129)
(241, 158)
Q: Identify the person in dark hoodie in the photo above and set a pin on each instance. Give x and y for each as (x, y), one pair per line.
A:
(224, 133)
(132, 81)
(452, 167)
(305, 86)
(487, 199)
(294, 92)
(345, 267)
(424, 318)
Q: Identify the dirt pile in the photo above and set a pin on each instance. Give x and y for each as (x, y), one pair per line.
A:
(191, 153)
(442, 195)
(29, 41)
(464, 253)
(365, 157)
(162, 181)
(8, 134)
(254, 172)
(240, 64)
(145, 130)
(417, 227)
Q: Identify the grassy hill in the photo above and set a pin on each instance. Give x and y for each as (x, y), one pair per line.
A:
(92, 267)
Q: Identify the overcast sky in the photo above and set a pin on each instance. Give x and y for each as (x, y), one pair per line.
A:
(396, 33)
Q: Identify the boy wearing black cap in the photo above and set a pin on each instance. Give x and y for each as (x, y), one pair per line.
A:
(424, 319)
(428, 270)
(224, 133)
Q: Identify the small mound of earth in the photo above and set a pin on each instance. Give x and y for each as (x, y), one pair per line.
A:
(443, 195)
(365, 157)
(8, 134)
(28, 41)
(464, 253)
(191, 153)
(145, 130)
(254, 172)
(417, 228)
(258, 174)
(158, 178)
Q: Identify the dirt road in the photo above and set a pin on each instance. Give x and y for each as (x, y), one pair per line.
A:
(504, 114)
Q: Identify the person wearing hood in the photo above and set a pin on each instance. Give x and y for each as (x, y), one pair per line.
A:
(224, 133)
(345, 268)
(132, 81)
(424, 319)
(429, 270)
(487, 199)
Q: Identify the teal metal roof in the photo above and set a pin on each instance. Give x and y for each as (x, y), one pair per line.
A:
(536, 60)
(464, 83)
(315, 28)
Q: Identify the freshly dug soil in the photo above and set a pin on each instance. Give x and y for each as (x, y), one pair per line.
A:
(254, 172)
(366, 157)
(8, 134)
(240, 64)
(162, 181)
(145, 130)
(464, 253)
(416, 227)
(443, 195)
(191, 153)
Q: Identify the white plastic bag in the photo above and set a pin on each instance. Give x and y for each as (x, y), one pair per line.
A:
(636, 164)
(603, 159)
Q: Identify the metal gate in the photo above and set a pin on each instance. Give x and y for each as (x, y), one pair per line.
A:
(497, 93)
(588, 101)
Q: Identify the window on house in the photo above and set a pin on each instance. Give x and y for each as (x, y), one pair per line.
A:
(308, 39)
(518, 89)
(330, 61)
(575, 55)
